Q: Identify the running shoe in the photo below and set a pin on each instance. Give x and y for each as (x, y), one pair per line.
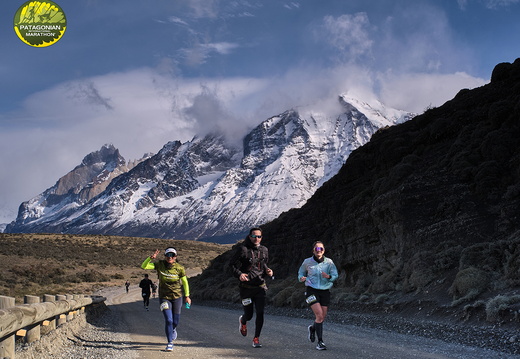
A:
(174, 334)
(321, 345)
(242, 327)
(256, 343)
(169, 347)
(312, 333)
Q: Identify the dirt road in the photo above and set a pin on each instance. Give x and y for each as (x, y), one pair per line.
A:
(207, 332)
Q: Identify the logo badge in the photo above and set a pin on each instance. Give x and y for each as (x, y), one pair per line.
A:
(40, 23)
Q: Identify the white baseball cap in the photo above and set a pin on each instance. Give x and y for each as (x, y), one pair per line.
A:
(170, 250)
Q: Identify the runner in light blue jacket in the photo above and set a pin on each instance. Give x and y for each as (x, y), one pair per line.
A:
(319, 274)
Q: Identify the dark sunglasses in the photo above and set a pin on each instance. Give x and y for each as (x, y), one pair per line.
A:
(170, 255)
(255, 236)
(319, 249)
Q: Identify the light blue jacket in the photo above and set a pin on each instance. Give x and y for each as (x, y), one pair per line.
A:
(312, 270)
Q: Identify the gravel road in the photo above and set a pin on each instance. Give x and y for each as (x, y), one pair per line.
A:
(128, 331)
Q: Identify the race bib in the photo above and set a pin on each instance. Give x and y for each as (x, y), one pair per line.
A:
(164, 306)
(246, 301)
(311, 299)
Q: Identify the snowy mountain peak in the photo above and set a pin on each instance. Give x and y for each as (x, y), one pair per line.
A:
(84, 182)
(376, 111)
(208, 188)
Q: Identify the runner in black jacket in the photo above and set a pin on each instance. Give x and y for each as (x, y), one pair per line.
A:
(146, 285)
(249, 264)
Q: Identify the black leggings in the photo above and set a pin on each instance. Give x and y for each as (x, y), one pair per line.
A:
(146, 299)
(253, 299)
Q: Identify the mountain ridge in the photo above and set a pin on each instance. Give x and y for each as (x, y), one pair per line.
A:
(207, 188)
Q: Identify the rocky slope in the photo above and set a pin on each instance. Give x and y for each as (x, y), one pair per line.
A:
(422, 220)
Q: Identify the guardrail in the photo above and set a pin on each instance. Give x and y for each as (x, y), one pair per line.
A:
(27, 319)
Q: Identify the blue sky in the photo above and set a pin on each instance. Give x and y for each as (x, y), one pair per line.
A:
(138, 74)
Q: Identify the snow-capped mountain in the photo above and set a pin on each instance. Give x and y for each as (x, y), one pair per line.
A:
(76, 188)
(208, 188)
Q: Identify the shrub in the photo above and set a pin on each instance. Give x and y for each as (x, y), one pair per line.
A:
(297, 299)
(468, 309)
(497, 304)
(472, 294)
(51, 274)
(419, 271)
(343, 296)
(364, 297)
(381, 299)
(468, 284)
(386, 282)
(512, 263)
(92, 275)
(284, 297)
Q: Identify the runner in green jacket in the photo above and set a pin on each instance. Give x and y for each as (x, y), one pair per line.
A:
(172, 280)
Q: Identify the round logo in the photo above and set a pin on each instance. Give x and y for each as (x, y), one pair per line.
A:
(40, 23)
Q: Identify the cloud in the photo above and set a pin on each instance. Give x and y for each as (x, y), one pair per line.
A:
(494, 4)
(419, 39)
(489, 4)
(199, 54)
(417, 91)
(462, 4)
(138, 111)
(350, 34)
(223, 48)
(412, 39)
(203, 8)
(88, 93)
(176, 20)
(292, 5)
(211, 114)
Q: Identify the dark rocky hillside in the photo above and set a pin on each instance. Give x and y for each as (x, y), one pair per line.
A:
(424, 219)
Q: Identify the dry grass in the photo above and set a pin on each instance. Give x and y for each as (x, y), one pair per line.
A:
(39, 264)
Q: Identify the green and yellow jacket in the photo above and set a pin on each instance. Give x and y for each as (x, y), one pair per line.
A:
(171, 279)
